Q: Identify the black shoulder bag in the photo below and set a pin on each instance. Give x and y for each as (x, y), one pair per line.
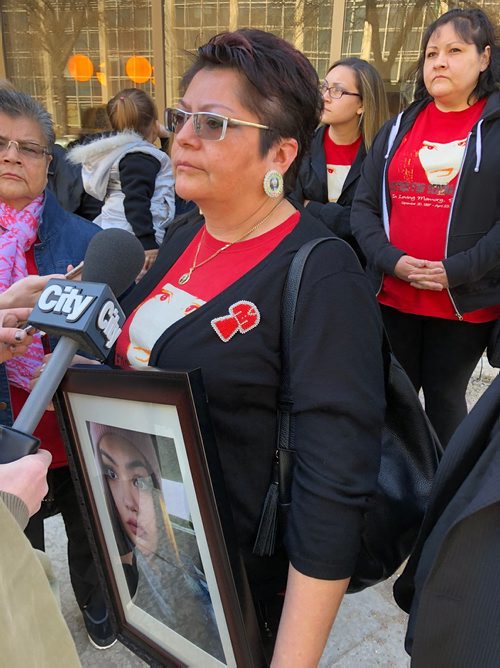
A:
(410, 456)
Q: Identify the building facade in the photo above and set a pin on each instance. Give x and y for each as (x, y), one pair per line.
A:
(73, 55)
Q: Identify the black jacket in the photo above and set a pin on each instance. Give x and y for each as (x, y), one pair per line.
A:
(451, 585)
(472, 254)
(312, 185)
(337, 385)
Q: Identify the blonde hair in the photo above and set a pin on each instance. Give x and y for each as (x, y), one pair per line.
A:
(132, 109)
(371, 89)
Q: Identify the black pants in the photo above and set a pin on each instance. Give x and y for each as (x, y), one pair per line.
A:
(439, 356)
(62, 498)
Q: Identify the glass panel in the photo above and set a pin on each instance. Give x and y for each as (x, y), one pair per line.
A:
(306, 23)
(74, 55)
(388, 33)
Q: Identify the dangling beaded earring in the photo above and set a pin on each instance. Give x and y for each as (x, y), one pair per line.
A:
(273, 183)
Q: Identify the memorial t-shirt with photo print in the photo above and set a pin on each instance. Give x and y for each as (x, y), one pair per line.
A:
(170, 301)
(339, 159)
(422, 178)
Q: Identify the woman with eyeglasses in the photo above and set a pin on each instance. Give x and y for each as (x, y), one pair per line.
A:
(38, 237)
(249, 107)
(132, 177)
(354, 109)
(427, 214)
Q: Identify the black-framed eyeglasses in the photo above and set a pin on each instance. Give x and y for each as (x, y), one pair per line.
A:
(27, 149)
(206, 124)
(334, 92)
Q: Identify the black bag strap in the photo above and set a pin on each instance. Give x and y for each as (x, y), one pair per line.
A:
(279, 492)
(288, 309)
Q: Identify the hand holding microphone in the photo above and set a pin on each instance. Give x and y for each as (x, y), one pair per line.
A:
(14, 340)
(85, 315)
(26, 478)
(26, 291)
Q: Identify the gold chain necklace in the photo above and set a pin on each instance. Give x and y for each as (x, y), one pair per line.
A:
(185, 277)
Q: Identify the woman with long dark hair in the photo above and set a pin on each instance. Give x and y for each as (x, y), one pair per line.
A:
(427, 214)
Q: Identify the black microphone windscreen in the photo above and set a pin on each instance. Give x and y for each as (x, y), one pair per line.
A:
(115, 257)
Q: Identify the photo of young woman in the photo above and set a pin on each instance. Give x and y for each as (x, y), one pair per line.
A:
(163, 581)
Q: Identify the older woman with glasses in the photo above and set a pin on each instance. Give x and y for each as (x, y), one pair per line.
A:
(38, 237)
(250, 104)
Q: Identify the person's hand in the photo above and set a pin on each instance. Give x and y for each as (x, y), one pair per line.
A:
(74, 273)
(26, 478)
(150, 257)
(432, 276)
(26, 291)
(13, 341)
(406, 265)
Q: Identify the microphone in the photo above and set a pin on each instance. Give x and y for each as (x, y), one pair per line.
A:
(85, 315)
(115, 257)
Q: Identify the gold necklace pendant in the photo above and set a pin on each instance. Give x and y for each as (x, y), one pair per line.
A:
(182, 280)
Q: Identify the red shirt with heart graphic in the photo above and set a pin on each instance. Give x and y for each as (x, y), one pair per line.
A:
(170, 301)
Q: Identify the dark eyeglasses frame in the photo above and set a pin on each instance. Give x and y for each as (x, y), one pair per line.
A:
(24, 148)
(195, 115)
(324, 88)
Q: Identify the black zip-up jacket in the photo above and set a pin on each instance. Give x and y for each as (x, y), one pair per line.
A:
(472, 253)
(451, 585)
(337, 387)
(312, 185)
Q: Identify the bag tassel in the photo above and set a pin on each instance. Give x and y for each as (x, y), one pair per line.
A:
(268, 526)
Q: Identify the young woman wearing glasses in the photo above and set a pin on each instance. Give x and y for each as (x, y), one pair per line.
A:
(250, 104)
(354, 108)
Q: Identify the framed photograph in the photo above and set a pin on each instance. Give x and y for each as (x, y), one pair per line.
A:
(146, 465)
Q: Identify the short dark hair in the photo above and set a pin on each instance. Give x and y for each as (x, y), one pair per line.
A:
(15, 104)
(474, 27)
(280, 86)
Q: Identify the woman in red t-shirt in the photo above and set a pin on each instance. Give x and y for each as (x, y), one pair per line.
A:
(354, 108)
(250, 103)
(427, 214)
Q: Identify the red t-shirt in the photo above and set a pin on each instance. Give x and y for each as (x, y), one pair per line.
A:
(339, 159)
(169, 301)
(422, 177)
(48, 429)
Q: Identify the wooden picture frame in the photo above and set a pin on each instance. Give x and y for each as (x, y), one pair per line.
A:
(145, 463)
